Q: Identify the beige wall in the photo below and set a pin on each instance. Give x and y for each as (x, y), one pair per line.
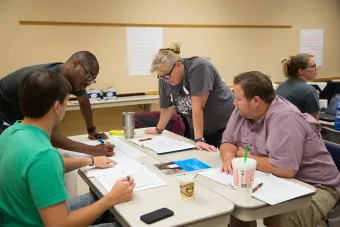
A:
(231, 50)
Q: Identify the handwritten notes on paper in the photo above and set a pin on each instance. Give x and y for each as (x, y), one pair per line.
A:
(142, 45)
(311, 42)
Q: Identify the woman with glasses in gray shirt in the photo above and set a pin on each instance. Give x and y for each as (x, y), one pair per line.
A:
(299, 69)
(195, 89)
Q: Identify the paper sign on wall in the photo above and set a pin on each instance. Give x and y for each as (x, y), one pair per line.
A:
(142, 45)
(311, 42)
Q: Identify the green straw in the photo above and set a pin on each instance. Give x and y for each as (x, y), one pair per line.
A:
(246, 154)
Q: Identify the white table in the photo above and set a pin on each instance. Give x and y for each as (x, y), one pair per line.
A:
(245, 211)
(207, 209)
(327, 123)
(144, 100)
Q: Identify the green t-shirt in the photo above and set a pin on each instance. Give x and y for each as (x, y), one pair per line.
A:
(31, 175)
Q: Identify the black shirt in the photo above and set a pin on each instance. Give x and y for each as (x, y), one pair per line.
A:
(10, 110)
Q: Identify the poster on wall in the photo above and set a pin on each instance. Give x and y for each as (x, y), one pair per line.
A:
(311, 42)
(142, 45)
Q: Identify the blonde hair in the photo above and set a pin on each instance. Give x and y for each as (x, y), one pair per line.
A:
(166, 56)
(292, 64)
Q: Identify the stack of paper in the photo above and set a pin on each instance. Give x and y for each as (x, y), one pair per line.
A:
(273, 191)
(143, 177)
(126, 166)
(120, 146)
(162, 144)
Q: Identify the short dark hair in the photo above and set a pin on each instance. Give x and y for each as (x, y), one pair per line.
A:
(255, 83)
(39, 90)
(87, 59)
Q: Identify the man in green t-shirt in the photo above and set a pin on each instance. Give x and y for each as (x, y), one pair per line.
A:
(32, 188)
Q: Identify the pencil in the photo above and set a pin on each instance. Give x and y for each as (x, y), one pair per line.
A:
(145, 139)
(257, 187)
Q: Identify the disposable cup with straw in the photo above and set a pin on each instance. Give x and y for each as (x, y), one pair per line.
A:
(243, 173)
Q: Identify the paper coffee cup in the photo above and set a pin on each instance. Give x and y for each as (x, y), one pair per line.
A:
(323, 103)
(187, 187)
(243, 174)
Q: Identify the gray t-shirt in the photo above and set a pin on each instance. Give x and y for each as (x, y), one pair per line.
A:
(200, 76)
(301, 94)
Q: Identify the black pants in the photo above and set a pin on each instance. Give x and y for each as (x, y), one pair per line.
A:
(212, 139)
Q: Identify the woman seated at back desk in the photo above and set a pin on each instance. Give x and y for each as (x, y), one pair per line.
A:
(299, 69)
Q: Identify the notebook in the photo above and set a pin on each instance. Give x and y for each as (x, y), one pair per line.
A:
(162, 144)
(273, 191)
(126, 166)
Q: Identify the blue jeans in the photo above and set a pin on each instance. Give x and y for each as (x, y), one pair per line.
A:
(212, 139)
(86, 200)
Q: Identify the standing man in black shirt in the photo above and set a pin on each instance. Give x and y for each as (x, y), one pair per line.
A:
(81, 70)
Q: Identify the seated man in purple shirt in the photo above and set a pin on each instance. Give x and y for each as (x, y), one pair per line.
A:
(284, 142)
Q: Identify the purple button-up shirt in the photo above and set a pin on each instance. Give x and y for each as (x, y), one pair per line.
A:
(290, 139)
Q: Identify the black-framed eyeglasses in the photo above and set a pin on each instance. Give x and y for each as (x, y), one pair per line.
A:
(311, 66)
(89, 76)
(167, 76)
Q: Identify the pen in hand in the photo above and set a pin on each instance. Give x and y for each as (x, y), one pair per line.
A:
(257, 187)
(101, 141)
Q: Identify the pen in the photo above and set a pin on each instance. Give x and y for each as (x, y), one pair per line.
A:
(128, 177)
(145, 139)
(257, 187)
(101, 141)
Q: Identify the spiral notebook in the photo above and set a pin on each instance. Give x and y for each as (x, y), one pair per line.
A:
(162, 144)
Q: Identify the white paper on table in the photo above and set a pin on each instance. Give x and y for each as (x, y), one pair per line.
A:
(120, 146)
(126, 148)
(143, 177)
(273, 191)
(163, 144)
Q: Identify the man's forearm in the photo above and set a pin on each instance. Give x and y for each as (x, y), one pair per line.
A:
(76, 163)
(197, 118)
(85, 107)
(60, 141)
(228, 149)
(264, 166)
(164, 118)
(87, 215)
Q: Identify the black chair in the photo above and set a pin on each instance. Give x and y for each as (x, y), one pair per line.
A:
(332, 141)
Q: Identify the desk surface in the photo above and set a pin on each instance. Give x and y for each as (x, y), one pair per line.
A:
(247, 211)
(326, 123)
(120, 101)
(207, 209)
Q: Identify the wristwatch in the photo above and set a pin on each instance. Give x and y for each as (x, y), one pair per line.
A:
(91, 130)
(199, 140)
(92, 161)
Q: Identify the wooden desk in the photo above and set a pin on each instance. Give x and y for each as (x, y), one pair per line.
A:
(143, 100)
(245, 211)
